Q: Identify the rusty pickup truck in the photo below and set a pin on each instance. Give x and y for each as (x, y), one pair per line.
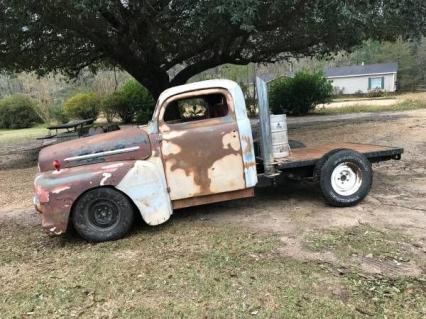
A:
(197, 149)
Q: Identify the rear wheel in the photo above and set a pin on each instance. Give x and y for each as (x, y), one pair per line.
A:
(102, 214)
(345, 178)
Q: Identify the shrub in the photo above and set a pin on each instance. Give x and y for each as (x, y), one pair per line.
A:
(112, 104)
(17, 111)
(57, 113)
(300, 94)
(82, 106)
(139, 100)
(359, 93)
(132, 102)
(338, 91)
(376, 93)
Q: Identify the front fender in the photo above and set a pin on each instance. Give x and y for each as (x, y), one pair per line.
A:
(56, 191)
(146, 185)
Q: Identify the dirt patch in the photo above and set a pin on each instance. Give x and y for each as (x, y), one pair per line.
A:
(16, 188)
(360, 102)
(245, 258)
(375, 101)
(397, 201)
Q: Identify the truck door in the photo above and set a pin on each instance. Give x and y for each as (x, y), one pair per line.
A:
(201, 148)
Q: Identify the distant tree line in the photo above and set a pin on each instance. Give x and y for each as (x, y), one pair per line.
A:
(129, 102)
(409, 54)
(118, 97)
(165, 43)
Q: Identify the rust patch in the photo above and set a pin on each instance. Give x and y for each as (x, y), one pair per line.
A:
(204, 156)
(113, 141)
(57, 192)
(213, 198)
(248, 144)
(196, 158)
(249, 165)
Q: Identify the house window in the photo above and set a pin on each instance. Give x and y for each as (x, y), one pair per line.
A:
(376, 83)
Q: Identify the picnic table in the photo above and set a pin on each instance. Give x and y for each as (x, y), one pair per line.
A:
(71, 129)
(72, 126)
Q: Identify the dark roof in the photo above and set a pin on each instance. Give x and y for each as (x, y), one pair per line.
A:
(362, 69)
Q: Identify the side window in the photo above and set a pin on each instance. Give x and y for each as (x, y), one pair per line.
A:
(196, 108)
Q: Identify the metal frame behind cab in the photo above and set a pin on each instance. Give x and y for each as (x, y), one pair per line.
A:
(265, 127)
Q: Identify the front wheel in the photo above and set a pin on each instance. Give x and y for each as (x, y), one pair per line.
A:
(345, 178)
(102, 214)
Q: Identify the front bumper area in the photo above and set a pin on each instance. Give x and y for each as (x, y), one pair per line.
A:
(54, 217)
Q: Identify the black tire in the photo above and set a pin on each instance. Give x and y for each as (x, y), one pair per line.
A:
(102, 214)
(295, 144)
(320, 162)
(345, 178)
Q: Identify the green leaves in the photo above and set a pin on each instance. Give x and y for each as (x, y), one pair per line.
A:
(132, 102)
(82, 106)
(163, 43)
(300, 94)
(18, 111)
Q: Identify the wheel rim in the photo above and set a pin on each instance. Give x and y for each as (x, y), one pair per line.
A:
(346, 179)
(103, 214)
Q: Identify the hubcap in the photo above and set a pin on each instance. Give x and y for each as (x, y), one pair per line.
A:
(103, 214)
(346, 179)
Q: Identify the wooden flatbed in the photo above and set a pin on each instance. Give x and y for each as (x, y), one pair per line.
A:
(308, 156)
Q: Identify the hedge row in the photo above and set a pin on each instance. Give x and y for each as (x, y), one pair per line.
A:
(133, 103)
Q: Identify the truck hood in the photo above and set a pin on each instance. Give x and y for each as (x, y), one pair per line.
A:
(123, 145)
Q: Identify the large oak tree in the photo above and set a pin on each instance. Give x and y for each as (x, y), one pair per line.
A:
(149, 38)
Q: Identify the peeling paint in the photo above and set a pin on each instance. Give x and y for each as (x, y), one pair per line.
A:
(146, 186)
(60, 189)
(231, 140)
(170, 148)
(43, 195)
(115, 165)
(227, 173)
(56, 193)
(206, 160)
(104, 179)
(193, 151)
(122, 145)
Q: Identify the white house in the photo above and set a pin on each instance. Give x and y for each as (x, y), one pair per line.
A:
(363, 78)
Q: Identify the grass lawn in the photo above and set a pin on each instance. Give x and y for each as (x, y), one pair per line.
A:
(8, 136)
(361, 241)
(350, 99)
(404, 105)
(187, 269)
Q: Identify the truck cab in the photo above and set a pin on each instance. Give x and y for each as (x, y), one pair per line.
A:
(197, 149)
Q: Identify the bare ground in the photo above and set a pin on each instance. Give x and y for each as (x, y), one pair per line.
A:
(397, 201)
(296, 211)
(376, 101)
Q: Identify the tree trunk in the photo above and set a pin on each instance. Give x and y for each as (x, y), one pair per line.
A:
(154, 80)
